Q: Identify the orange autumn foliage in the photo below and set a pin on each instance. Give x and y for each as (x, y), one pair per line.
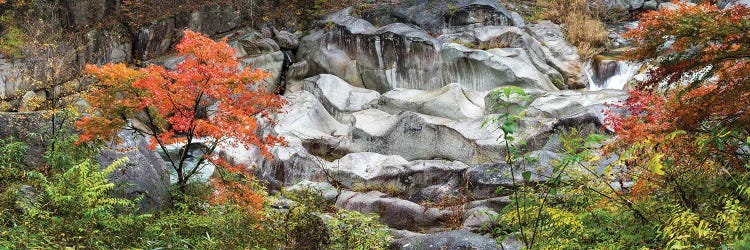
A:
(692, 116)
(208, 98)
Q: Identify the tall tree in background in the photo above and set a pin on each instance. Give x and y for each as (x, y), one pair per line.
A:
(685, 135)
(175, 106)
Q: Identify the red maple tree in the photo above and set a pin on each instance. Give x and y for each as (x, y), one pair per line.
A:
(692, 116)
(207, 99)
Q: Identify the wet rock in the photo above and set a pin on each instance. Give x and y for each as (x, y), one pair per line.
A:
(452, 240)
(451, 101)
(394, 212)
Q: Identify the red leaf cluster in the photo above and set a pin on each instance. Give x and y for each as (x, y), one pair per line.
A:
(209, 96)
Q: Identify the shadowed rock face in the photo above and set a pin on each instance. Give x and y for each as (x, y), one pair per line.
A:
(144, 175)
(396, 213)
(21, 127)
(438, 16)
(402, 56)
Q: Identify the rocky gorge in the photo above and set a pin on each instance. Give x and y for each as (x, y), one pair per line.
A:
(386, 107)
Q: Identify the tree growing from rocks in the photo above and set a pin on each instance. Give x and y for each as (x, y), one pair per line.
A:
(207, 99)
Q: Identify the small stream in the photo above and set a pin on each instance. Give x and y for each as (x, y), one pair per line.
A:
(610, 73)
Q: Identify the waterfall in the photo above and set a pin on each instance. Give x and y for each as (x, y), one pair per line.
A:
(609, 74)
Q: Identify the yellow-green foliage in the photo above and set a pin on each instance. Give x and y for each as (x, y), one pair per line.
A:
(11, 40)
(558, 227)
(686, 229)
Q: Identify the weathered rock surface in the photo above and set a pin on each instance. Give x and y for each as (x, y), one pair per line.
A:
(483, 71)
(557, 52)
(339, 97)
(507, 41)
(575, 105)
(438, 16)
(451, 101)
(414, 176)
(453, 240)
(19, 127)
(394, 212)
(159, 37)
(479, 218)
(144, 175)
(421, 137)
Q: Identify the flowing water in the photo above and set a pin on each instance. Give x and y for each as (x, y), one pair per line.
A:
(610, 74)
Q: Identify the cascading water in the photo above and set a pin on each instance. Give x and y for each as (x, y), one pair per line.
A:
(610, 74)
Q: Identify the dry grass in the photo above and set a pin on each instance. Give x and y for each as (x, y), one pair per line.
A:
(582, 26)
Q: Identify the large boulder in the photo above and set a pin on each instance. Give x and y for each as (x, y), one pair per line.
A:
(215, 19)
(401, 56)
(507, 41)
(557, 52)
(576, 105)
(481, 70)
(421, 137)
(339, 97)
(309, 130)
(416, 178)
(451, 101)
(144, 176)
(451, 240)
(394, 212)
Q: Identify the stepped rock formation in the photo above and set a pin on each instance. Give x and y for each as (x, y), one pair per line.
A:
(389, 98)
